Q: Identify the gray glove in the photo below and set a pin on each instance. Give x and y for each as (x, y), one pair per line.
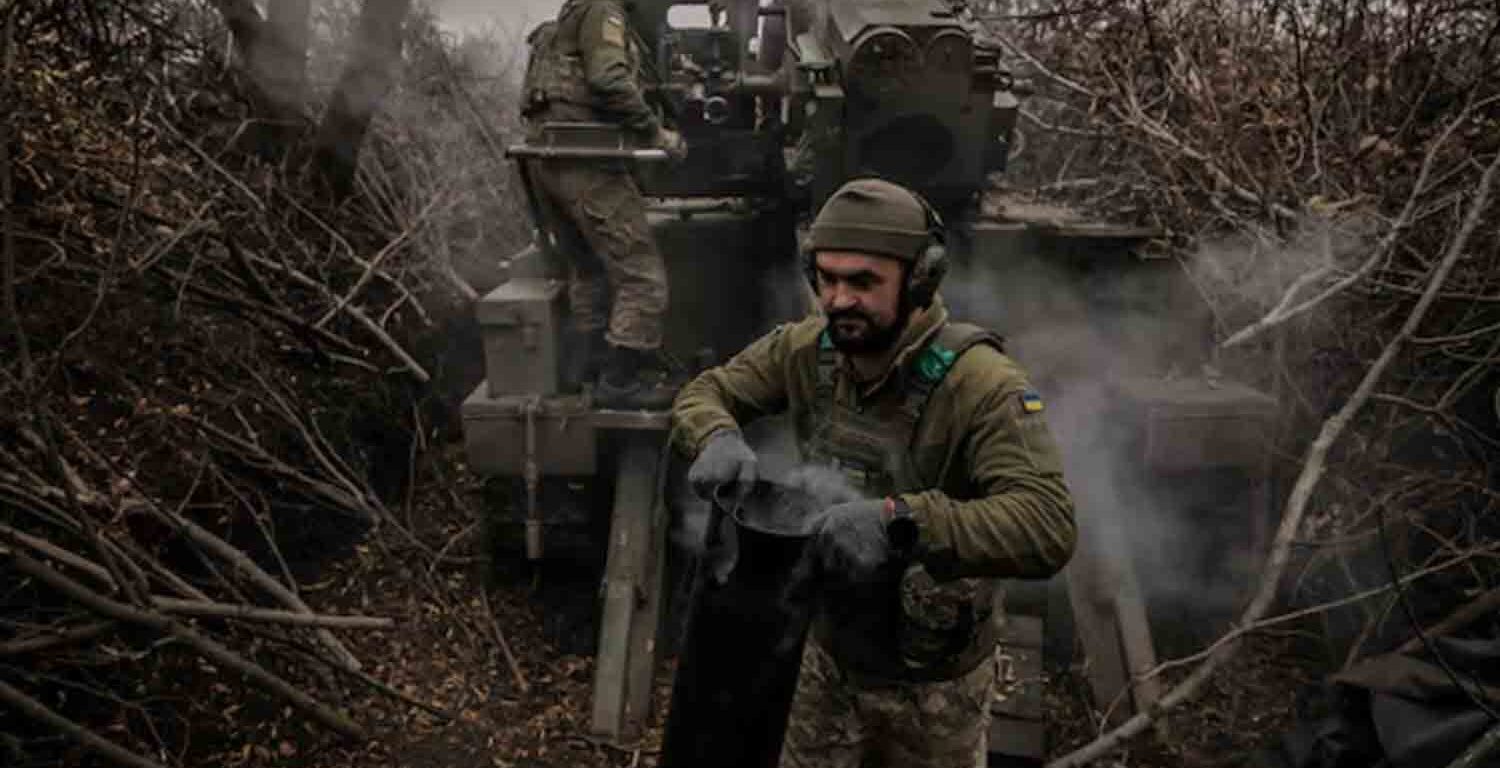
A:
(851, 539)
(725, 460)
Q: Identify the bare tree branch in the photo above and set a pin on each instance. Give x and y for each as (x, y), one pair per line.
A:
(8, 254)
(269, 615)
(200, 643)
(1285, 310)
(1307, 481)
(93, 741)
(51, 637)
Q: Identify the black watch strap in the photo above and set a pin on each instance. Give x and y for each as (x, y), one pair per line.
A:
(901, 528)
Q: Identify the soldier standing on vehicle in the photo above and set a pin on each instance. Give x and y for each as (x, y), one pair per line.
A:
(586, 66)
(944, 436)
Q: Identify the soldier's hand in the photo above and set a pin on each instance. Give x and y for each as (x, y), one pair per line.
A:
(725, 461)
(672, 142)
(851, 539)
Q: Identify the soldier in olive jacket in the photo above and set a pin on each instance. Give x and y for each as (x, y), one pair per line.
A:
(941, 432)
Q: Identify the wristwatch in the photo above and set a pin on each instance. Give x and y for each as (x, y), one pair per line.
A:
(900, 527)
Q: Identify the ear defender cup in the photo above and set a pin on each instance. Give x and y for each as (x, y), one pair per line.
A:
(809, 262)
(931, 264)
(926, 274)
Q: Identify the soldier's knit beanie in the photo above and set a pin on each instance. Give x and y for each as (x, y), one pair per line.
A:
(871, 216)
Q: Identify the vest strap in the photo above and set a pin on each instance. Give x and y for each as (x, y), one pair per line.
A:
(932, 364)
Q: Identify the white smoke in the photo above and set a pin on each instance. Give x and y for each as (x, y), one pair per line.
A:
(1086, 325)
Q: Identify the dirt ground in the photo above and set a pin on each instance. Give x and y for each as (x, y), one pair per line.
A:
(445, 652)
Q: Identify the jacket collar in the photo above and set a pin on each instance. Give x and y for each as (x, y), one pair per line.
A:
(918, 334)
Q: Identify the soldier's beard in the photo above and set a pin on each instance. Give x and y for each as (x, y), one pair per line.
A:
(874, 339)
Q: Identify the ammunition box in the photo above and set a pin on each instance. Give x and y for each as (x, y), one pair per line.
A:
(1194, 424)
(495, 434)
(520, 322)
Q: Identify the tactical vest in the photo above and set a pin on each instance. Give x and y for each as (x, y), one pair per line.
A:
(554, 68)
(909, 625)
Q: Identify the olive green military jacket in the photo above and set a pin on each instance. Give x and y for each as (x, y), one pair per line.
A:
(597, 34)
(997, 506)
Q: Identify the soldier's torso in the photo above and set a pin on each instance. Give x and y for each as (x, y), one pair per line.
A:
(557, 87)
(908, 625)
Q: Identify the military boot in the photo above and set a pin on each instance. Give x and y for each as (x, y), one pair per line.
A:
(635, 379)
(583, 355)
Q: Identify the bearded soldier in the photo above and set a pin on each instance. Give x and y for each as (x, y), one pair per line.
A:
(962, 481)
(587, 66)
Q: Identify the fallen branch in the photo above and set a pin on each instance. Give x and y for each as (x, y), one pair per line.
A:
(364, 500)
(223, 549)
(259, 577)
(268, 615)
(343, 242)
(294, 323)
(355, 312)
(49, 638)
(218, 167)
(8, 200)
(1307, 481)
(59, 554)
(93, 741)
(499, 634)
(257, 674)
(253, 453)
(374, 263)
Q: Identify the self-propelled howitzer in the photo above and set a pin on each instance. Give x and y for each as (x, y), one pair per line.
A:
(781, 101)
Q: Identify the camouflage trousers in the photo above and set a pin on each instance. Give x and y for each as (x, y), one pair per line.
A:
(617, 280)
(840, 720)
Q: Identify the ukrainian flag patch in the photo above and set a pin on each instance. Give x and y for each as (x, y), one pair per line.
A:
(1031, 402)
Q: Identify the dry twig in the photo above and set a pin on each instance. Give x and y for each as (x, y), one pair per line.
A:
(1307, 481)
(93, 741)
(199, 642)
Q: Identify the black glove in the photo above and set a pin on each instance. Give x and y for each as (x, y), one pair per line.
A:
(725, 460)
(851, 539)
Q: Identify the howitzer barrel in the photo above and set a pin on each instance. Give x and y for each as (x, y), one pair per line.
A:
(738, 666)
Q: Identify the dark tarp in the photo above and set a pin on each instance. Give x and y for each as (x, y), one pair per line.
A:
(1398, 711)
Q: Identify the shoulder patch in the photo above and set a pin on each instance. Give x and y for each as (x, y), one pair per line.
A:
(934, 362)
(1031, 402)
(614, 30)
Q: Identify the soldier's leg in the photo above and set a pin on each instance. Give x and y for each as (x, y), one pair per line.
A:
(825, 729)
(614, 221)
(943, 724)
(561, 186)
(583, 345)
(621, 236)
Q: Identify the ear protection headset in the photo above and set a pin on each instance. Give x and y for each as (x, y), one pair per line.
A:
(927, 268)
